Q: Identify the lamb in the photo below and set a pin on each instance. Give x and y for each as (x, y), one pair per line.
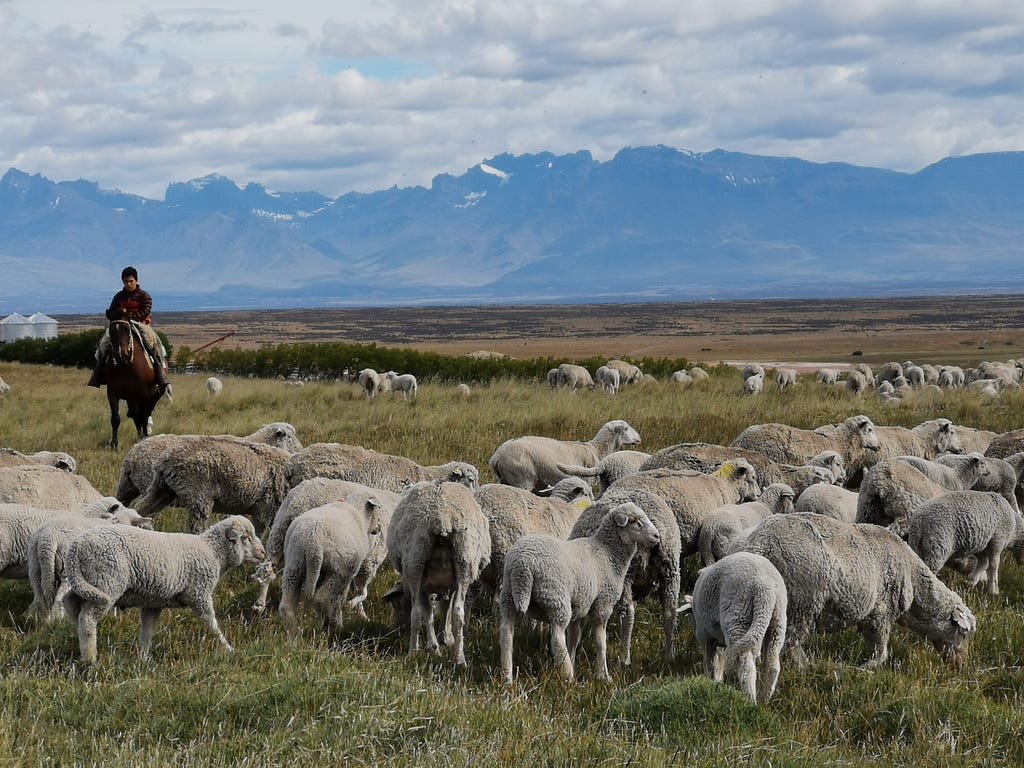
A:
(848, 574)
(514, 512)
(125, 566)
(564, 582)
(753, 385)
(47, 547)
(962, 524)
(324, 551)
(377, 470)
(612, 467)
(828, 376)
(531, 462)
(628, 373)
(681, 377)
(214, 386)
(369, 381)
(739, 616)
(404, 383)
(316, 492)
(723, 525)
(573, 376)
(137, 467)
(829, 500)
(438, 541)
(38, 485)
(786, 377)
(608, 379)
(12, 458)
(218, 474)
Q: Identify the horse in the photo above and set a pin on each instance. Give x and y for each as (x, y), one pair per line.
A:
(130, 378)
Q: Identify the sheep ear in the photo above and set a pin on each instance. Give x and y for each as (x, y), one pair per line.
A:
(621, 519)
(458, 472)
(233, 533)
(371, 505)
(963, 619)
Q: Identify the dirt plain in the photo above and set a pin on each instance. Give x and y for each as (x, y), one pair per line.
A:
(953, 329)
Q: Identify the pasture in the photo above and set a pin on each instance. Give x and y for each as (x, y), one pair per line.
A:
(358, 698)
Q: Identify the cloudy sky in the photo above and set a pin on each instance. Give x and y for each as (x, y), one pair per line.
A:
(352, 95)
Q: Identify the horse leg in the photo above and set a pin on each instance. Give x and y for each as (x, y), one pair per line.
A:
(115, 422)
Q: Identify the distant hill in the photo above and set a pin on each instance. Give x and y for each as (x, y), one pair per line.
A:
(652, 223)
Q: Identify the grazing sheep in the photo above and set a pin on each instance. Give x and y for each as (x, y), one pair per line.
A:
(681, 377)
(752, 369)
(754, 385)
(4, 387)
(914, 374)
(315, 492)
(214, 386)
(573, 376)
(612, 467)
(438, 541)
(739, 616)
(889, 372)
(847, 574)
(865, 369)
(960, 524)
(857, 383)
(699, 374)
(369, 382)
(608, 379)
(564, 582)
(723, 525)
(48, 545)
(514, 512)
(786, 377)
(377, 470)
(552, 378)
(1016, 462)
(324, 551)
(828, 376)
(707, 457)
(12, 458)
(531, 462)
(628, 373)
(137, 467)
(46, 487)
(828, 500)
(125, 566)
(404, 383)
(218, 474)
(462, 389)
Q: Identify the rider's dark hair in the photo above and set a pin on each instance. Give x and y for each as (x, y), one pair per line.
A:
(129, 272)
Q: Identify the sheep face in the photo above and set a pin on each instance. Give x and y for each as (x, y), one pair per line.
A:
(624, 434)
(743, 475)
(866, 433)
(464, 474)
(245, 546)
(634, 525)
(947, 439)
(949, 631)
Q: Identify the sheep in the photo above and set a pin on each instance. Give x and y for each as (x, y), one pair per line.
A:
(324, 551)
(1016, 462)
(865, 369)
(573, 376)
(552, 378)
(828, 376)
(962, 524)
(514, 512)
(4, 387)
(753, 385)
(654, 570)
(854, 439)
(928, 439)
(369, 382)
(889, 372)
(315, 492)
(707, 457)
(612, 467)
(724, 524)
(699, 374)
(1006, 443)
(752, 369)
(404, 383)
(39, 485)
(972, 440)
(377, 470)
(12, 458)
(47, 547)
(914, 374)
(438, 541)
(628, 373)
(137, 467)
(829, 500)
(125, 566)
(647, 380)
(848, 574)
(683, 378)
(564, 582)
(214, 386)
(218, 474)
(295, 383)
(462, 389)
(786, 377)
(856, 383)
(531, 462)
(608, 379)
(739, 616)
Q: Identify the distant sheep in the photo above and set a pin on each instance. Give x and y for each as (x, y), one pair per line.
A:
(753, 385)
(628, 372)
(574, 376)
(404, 383)
(608, 379)
(786, 377)
(12, 458)
(552, 378)
(214, 386)
(827, 376)
(4, 387)
(462, 389)
(681, 377)
(369, 382)
(699, 374)
(857, 383)
(752, 369)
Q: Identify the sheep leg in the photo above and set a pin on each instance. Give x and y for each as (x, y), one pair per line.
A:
(199, 516)
(573, 634)
(875, 630)
(457, 610)
(993, 572)
(669, 601)
(709, 647)
(88, 617)
(600, 629)
(747, 673)
(505, 633)
(205, 612)
(627, 618)
(328, 606)
(421, 616)
(771, 650)
(287, 608)
(147, 620)
(560, 652)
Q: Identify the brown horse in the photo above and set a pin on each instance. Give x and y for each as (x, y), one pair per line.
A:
(129, 378)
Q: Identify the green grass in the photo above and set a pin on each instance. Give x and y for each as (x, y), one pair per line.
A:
(359, 698)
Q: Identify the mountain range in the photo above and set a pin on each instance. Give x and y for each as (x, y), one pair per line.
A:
(650, 224)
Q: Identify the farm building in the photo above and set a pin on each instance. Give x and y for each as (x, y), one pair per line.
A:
(43, 326)
(37, 326)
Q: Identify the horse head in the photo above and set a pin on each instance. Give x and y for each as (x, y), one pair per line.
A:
(122, 342)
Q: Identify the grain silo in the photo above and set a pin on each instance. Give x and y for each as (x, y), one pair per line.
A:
(43, 326)
(14, 327)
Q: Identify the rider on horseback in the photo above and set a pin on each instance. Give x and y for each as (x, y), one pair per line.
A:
(132, 303)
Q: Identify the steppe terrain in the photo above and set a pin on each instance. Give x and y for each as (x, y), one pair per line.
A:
(953, 329)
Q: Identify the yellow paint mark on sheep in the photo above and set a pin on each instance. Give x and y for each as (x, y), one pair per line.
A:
(726, 471)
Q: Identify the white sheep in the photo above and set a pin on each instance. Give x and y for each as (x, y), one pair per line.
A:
(574, 376)
(725, 524)
(404, 383)
(786, 377)
(552, 378)
(829, 500)
(928, 439)
(612, 467)
(377, 470)
(369, 381)
(960, 524)
(699, 374)
(563, 583)
(438, 541)
(628, 373)
(681, 377)
(125, 566)
(462, 389)
(847, 574)
(531, 462)
(324, 551)
(137, 467)
(12, 458)
(754, 385)
(48, 545)
(752, 369)
(608, 379)
(214, 386)
(39, 485)
(857, 383)
(739, 617)
(828, 376)
(4, 387)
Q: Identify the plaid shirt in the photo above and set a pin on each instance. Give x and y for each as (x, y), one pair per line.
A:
(130, 305)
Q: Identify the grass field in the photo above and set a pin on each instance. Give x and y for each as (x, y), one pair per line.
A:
(358, 698)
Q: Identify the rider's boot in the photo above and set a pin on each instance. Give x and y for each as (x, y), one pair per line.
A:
(160, 378)
(98, 378)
